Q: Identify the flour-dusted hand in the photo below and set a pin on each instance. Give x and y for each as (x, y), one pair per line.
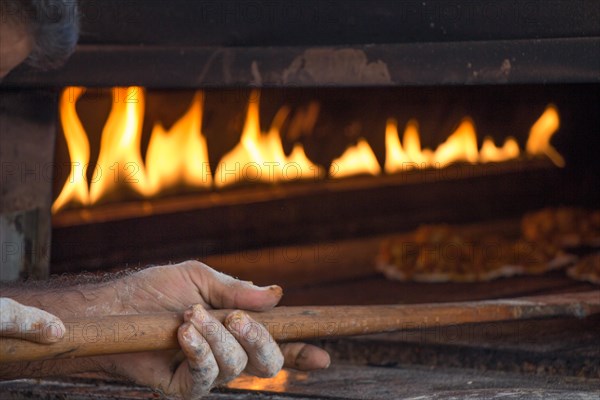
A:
(213, 353)
(217, 353)
(29, 323)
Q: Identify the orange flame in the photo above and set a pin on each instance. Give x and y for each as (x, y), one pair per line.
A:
(490, 153)
(179, 156)
(395, 156)
(412, 142)
(357, 159)
(75, 188)
(259, 157)
(120, 160)
(460, 146)
(401, 158)
(540, 134)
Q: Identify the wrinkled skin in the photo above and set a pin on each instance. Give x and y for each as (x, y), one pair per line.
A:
(215, 353)
(211, 353)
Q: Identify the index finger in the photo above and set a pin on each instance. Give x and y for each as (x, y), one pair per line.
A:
(223, 291)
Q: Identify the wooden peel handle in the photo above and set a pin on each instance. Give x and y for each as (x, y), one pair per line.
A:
(150, 332)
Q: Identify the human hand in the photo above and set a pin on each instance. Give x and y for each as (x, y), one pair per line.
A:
(211, 353)
(29, 323)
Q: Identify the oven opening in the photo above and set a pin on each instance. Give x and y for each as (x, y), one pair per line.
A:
(261, 169)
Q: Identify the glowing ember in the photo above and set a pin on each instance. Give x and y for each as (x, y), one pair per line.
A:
(358, 159)
(540, 134)
(279, 383)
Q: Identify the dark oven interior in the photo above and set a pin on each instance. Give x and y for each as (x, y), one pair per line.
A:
(257, 210)
(324, 77)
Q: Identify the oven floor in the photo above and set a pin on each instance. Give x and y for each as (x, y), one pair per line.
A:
(547, 359)
(340, 381)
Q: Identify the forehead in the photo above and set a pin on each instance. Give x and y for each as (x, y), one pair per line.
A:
(12, 31)
(15, 45)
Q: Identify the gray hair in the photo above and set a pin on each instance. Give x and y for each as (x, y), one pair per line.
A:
(52, 24)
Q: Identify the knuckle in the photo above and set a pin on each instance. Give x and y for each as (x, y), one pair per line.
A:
(269, 370)
(195, 264)
(270, 365)
(194, 346)
(240, 365)
(234, 365)
(202, 350)
(203, 379)
(206, 375)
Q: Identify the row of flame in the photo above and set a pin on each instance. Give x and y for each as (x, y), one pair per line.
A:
(180, 156)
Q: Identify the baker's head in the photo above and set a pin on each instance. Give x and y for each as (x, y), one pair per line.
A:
(42, 33)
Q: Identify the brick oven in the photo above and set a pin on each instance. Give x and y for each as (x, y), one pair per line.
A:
(289, 142)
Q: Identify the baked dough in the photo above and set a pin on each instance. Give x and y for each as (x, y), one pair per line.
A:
(445, 253)
(586, 269)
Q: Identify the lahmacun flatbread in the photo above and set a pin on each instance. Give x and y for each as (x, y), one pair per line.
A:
(445, 253)
(586, 269)
(562, 227)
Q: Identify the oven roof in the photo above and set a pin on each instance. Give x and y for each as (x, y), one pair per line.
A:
(184, 43)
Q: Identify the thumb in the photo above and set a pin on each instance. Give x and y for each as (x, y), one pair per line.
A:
(29, 323)
(223, 291)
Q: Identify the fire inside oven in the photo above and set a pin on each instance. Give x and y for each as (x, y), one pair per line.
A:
(136, 170)
(178, 155)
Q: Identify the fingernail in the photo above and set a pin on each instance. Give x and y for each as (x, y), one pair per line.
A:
(276, 290)
(191, 335)
(198, 313)
(236, 320)
(327, 362)
(187, 314)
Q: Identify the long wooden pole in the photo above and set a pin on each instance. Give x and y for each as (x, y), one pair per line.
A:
(150, 332)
